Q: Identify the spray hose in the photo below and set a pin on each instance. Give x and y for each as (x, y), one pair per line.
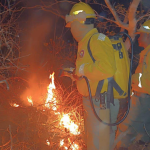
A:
(129, 87)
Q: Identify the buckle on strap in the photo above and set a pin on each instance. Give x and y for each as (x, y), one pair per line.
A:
(103, 99)
(110, 96)
(116, 86)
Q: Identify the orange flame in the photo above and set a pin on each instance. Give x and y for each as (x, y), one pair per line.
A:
(30, 100)
(65, 120)
(48, 143)
(50, 95)
(67, 123)
(74, 146)
(14, 105)
(62, 142)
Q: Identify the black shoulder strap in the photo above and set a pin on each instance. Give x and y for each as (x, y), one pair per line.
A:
(99, 88)
(100, 84)
(111, 80)
(89, 50)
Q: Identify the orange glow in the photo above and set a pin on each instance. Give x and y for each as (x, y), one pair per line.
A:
(48, 143)
(14, 105)
(30, 100)
(64, 123)
(74, 147)
(67, 123)
(65, 147)
(50, 95)
(62, 142)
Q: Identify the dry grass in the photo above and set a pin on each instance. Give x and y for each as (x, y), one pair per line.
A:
(30, 127)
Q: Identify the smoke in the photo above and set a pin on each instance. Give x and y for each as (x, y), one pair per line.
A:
(38, 26)
(36, 90)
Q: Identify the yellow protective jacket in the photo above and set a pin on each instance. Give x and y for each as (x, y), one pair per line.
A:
(141, 78)
(104, 66)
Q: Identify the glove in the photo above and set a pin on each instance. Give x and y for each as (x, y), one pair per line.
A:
(67, 69)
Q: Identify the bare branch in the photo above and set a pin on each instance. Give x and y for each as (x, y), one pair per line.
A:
(49, 10)
(87, 1)
(5, 81)
(132, 20)
(11, 139)
(98, 16)
(132, 9)
(146, 15)
(118, 21)
(125, 21)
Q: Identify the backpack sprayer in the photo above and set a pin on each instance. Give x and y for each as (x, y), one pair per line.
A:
(89, 89)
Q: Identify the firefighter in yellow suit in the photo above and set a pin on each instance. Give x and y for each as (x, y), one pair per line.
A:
(137, 125)
(81, 22)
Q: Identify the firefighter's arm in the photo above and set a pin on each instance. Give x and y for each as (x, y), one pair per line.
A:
(135, 82)
(135, 78)
(148, 65)
(104, 65)
(141, 80)
(145, 79)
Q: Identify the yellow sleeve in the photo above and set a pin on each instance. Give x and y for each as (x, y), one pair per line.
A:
(135, 80)
(148, 65)
(104, 65)
(145, 79)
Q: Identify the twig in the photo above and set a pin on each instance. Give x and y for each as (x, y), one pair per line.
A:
(118, 21)
(5, 81)
(11, 140)
(146, 15)
(9, 6)
(125, 21)
(132, 20)
(5, 144)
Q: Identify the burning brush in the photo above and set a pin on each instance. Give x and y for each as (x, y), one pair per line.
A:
(63, 126)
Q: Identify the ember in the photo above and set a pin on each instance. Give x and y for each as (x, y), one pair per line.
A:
(47, 142)
(74, 147)
(62, 142)
(14, 105)
(68, 124)
(30, 100)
